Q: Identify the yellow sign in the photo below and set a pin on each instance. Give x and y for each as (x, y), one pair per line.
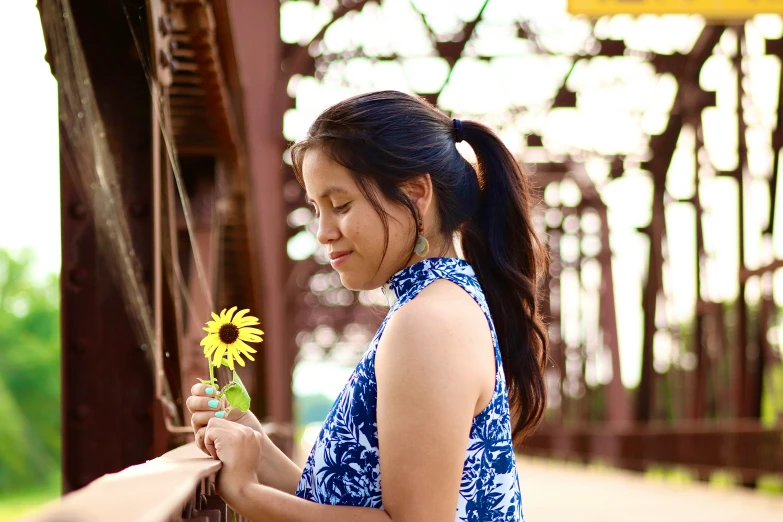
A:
(711, 9)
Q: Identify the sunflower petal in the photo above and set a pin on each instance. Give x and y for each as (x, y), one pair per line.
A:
(244, 348)
(230, 313)
(218, 358)
(249, 357)
(239, 315)
(233, 354)
(251, 330)
(238, 355)
(253, 338)
(208, 339)
(246, 321)
(212, 327)
(210, 349)
(215, 317)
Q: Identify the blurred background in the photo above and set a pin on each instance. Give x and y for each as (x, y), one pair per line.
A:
(146, 182)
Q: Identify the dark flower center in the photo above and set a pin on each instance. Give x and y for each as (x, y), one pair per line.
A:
(228, 333)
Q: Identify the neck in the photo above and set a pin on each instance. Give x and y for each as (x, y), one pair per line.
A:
(438, 248)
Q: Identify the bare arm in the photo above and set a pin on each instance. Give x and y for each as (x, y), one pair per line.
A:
(431, 369)
(257, 502)
(275, 468)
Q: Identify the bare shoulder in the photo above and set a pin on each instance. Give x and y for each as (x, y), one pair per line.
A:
(441, 336)
(442, 308)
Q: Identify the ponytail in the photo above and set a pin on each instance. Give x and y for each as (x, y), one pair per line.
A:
(500, 243)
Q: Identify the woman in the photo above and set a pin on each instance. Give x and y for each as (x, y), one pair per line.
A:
(423, 429)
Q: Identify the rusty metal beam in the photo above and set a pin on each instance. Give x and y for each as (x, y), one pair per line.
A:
(739, 377)
(107, 386)
(618, 401)
(201, 176)
(258, 53)
(664, 146)
(698, 401)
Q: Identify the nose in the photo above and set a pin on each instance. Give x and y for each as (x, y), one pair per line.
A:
(327, 229)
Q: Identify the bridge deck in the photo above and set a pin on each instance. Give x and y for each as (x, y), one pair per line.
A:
(569, 493)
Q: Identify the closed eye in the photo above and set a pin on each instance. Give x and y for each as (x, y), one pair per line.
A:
(341, 208)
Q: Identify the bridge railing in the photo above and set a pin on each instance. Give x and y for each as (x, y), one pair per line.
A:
(179, 485)
(743, 447)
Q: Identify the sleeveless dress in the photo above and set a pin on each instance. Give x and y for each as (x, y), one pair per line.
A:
(343, 467)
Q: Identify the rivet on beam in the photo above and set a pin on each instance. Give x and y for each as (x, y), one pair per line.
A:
(77, 210)
(78, 277)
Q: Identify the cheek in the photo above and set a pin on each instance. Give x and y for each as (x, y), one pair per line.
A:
(363, 229)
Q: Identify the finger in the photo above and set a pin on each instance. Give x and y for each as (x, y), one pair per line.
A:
(200, 440)
(200, 419)
(196, 403)
(202, 389)
(209, 446)
(213, 434)
(217, 422)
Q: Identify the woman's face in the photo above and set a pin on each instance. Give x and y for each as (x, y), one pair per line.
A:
(350, 227)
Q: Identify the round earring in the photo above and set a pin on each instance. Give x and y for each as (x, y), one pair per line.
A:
(422, 247)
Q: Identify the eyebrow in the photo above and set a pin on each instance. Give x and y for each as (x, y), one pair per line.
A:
(328, 192)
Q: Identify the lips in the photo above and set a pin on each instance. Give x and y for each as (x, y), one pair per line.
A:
(337, 258)
(336, 255)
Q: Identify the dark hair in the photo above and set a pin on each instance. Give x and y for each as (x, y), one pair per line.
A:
(387, 138)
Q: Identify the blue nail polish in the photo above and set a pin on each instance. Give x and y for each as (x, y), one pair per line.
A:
(210, 390)
(220, 414)
(213, 403)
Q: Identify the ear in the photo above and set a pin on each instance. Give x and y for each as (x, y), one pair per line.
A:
(419, 190)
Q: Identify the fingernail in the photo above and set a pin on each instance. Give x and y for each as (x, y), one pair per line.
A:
(213, 403)
(210, 390)
(220, 414)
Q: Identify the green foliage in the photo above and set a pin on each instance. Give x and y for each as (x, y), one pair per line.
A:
(29, 375)
(772, 399)
(237, 395)
(24, 502)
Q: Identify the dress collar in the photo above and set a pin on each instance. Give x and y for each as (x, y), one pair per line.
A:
(411, 277)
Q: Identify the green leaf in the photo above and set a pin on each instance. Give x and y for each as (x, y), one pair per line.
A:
(236, 394)
(204, 381)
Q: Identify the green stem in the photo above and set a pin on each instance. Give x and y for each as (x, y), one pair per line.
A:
(212, 374)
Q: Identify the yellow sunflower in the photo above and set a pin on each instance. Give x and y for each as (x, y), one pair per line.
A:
(228, 334)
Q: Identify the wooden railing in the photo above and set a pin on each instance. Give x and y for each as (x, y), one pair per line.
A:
(179, 485)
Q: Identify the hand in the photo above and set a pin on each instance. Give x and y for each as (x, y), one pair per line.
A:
(239, 449)
(203, 406)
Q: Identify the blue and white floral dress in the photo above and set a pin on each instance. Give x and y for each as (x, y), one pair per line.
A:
(344, 468)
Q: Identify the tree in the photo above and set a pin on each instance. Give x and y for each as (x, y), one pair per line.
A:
(29, 374)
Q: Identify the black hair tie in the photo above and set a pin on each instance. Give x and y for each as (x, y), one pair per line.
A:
(457, 131)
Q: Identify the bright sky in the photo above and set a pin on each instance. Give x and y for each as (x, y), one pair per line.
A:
(621, 102)
(30, 193)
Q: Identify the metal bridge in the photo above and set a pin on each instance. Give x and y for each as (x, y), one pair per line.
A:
(177, 199)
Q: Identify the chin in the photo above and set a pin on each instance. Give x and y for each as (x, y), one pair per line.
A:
(352, 282)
